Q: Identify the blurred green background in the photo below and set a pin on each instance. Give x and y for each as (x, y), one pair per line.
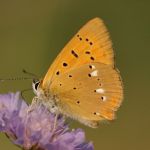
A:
(33, 32)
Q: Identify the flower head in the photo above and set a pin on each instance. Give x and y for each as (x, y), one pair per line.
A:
(34, 130)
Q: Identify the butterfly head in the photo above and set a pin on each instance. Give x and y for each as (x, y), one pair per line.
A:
(35, 86)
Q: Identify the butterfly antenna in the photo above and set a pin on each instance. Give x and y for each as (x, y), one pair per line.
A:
(16, 78)
(29, 73)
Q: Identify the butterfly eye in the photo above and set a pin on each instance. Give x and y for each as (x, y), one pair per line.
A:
(36, 85)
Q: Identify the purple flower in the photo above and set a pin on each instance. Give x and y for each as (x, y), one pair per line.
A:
(34, 130)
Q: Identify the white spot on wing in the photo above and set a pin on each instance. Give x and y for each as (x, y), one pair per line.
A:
(103, 98)
(98, 114)
(93, 67)
(100, 90)
(94, 73)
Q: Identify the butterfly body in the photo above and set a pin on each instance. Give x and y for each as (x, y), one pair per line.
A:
(83, 82)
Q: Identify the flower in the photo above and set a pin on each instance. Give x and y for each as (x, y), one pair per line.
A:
(35, 130)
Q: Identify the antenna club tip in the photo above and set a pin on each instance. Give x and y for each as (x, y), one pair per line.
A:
(23, 70)
(29, 73)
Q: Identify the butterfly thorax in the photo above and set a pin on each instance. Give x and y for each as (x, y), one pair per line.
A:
(44, 97)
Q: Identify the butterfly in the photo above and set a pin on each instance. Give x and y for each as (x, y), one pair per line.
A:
(83, 83)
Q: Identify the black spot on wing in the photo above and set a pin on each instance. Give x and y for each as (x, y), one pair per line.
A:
(92, 58)
(87, 52)
(94, 113)
(89, 75)
(65, 64)
(91, 43)
(90, 66)
(74, 54)
(70, 76)
(57, 73)
(78, 102)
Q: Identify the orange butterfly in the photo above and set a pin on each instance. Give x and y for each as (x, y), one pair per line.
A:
(83, 83)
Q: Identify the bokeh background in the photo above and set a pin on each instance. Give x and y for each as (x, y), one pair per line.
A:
(33, 32)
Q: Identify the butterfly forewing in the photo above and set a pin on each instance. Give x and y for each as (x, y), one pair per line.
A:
(82, 79)
(88, 93)
(90, 44)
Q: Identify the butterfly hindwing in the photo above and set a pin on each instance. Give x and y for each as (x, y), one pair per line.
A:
(90, 44)
(89, 93)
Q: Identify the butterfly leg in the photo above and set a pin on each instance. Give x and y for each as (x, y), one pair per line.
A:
(35, 102)
(55, 122)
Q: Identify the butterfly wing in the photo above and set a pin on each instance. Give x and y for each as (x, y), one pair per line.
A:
(89, 93)
(90, 44)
